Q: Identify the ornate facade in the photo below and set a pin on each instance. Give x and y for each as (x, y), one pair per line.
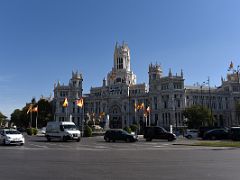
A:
(167, 97)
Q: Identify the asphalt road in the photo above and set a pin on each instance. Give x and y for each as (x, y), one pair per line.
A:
(92, 158)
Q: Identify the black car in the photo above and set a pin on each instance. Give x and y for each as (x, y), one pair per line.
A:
(119, 135)
(235, 133)
(157, 132)
(216, 134)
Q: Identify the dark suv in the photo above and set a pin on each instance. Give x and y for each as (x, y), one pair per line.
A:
(119, 135)
(158, 133)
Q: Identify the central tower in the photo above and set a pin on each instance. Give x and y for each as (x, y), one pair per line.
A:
(121, 72)
(122, 57)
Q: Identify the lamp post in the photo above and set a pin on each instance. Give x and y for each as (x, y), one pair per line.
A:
(201, 86)
(210, 100)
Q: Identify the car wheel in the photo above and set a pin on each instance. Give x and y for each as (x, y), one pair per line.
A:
(21, 144)
(4, 142)
(189, 136)
(107, 139)
(148, 139)
(48, 139)
(213, 138)
(128, 140)
(64, 138)
(78, 140)
(170, 139)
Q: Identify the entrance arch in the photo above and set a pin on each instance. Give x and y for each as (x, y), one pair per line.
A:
(115, 117)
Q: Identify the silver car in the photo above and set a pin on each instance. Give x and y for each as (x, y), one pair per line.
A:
(191, 133)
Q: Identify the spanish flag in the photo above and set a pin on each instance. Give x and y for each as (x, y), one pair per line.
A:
(65, 103)
(102, 114)
(135, 107)
(141, 106)
(35, 109)
(29, 109)
(79, 102)
(148, 109)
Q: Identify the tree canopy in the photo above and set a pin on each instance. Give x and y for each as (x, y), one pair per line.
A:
(2, 118)
(198, 116)
(28, 115)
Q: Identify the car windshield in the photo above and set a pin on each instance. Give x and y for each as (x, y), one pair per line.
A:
(12, 132)
(124, 132)
(70, 127)
(164, 130)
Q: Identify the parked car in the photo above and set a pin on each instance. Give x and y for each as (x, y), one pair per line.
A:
(97, 128)
(119, 135)
(216, 134)
(235, 133)
(62, 130)
(157, 132)
(42, 131)
(191, 133)
(202, 130)
(11, 136)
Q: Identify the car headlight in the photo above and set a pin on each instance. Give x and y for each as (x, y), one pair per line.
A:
(69, 134)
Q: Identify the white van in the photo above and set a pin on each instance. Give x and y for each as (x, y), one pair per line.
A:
(62, 130)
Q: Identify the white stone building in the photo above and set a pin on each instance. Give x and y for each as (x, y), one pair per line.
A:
(167, 97)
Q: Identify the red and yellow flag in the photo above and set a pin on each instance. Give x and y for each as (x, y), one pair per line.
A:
(65, 103)
(79, 102)
(102, 113)
(135, 107)
(138, 106)
(35, 109)
(148, 109)
(29, 108)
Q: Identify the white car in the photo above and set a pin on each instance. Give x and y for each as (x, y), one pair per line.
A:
(11, 136)
(42, 131)
(191, 133)
(97, 127)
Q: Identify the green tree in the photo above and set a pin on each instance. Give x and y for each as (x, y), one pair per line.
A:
(20, 117)
(45, 113)
(2, 118)
(128, 129)
(23, 119)
(198, 116)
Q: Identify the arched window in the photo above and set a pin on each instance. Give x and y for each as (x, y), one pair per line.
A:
(118, 80)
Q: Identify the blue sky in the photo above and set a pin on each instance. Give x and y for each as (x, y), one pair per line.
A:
(41, 42)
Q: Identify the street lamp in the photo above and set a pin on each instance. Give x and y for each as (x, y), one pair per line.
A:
(210, 99)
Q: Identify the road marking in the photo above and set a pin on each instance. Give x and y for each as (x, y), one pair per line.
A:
(158, 146)
(40, 146)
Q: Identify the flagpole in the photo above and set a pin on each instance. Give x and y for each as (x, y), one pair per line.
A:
(31, 118)
(66, 112)
(82, 121)
(149, 123)
(135, 109)
(36, 119)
